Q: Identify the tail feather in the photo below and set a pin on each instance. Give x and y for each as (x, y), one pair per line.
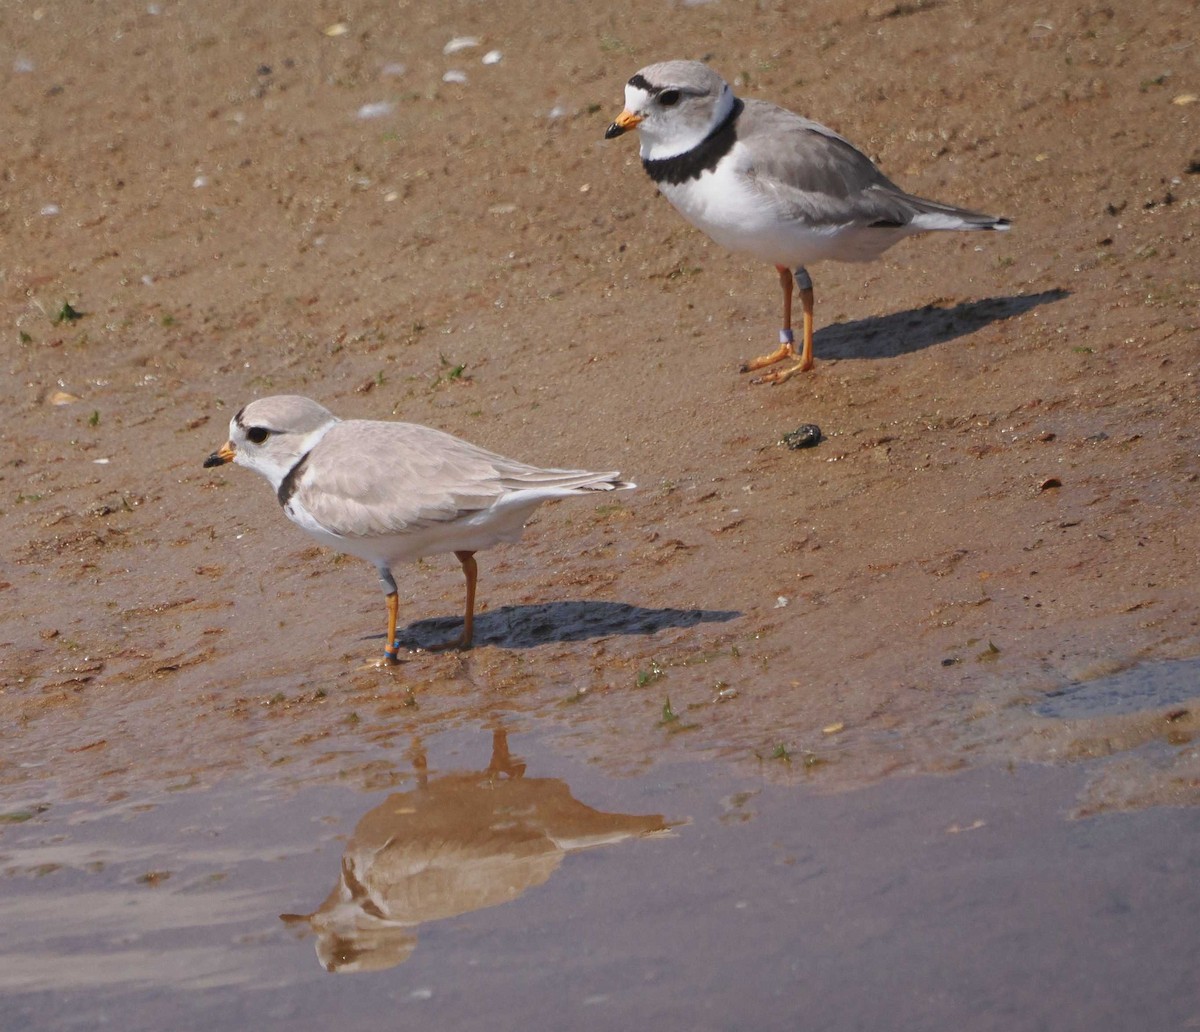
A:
(927, 214)
(565, 479)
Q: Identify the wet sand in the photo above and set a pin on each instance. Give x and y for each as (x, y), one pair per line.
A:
(999, 508)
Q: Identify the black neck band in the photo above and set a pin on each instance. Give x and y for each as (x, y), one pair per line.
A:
(288, 485)
(701, 158)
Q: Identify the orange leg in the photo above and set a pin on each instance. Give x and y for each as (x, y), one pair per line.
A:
(393, 610)
(503, 762)
(786, 348)
(471, 572)
(804, 282)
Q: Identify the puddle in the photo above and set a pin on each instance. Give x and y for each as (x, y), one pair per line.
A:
(1147, 686)
(497, 883)
(455, 843)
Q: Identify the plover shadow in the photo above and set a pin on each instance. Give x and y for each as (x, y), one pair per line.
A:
(523, 627)
(886, 336)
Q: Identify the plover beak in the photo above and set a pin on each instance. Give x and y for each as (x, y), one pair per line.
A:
(221, 456)
(625, 121)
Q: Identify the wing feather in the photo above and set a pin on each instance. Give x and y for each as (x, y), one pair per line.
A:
(368, 478)
(813, 175)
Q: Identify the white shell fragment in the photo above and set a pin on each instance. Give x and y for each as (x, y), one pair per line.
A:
(460, 43)
(379, 109)
(454, 75)
(492, 57)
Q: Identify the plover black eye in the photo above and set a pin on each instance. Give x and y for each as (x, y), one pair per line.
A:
(257, 434)
(668, 98)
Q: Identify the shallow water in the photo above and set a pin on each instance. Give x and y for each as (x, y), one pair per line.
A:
(1139, 688)
(499, 884)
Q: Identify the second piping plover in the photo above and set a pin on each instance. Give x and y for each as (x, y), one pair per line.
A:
(393, 492)
(769, 183)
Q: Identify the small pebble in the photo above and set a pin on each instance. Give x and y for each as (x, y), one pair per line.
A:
(806, 436)
(454, 75)
(492, 57)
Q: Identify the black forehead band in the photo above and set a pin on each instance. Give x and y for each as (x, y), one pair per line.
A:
(642, 83)
(241, 423)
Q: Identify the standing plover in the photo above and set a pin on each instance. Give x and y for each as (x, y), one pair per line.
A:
(772, 184)
(393, 492)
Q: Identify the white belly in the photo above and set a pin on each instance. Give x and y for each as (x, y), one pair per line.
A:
(724, 206)
(502, 522)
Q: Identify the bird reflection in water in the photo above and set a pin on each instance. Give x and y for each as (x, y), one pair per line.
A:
(458, 842)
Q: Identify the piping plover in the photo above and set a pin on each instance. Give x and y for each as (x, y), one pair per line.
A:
(769, 183)
(393, 492)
